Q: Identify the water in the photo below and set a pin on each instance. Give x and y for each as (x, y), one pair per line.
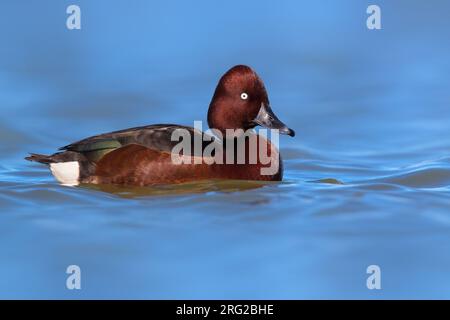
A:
(367, 178)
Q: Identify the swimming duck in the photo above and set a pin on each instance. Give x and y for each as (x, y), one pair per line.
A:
(143, 156)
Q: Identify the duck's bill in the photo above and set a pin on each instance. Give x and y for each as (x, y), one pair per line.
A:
(268, 119)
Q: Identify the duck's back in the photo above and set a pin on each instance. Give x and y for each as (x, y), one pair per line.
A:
(79, 161)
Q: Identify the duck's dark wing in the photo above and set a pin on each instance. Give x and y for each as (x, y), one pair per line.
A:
(156, 137)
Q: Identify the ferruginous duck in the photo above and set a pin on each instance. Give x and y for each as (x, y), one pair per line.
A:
(146, 155)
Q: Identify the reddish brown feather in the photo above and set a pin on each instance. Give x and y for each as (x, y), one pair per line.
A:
(138, 165)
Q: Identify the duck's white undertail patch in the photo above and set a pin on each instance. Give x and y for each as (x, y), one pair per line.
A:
(67, 173)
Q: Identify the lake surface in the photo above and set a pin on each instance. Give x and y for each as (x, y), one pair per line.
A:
(367, 178)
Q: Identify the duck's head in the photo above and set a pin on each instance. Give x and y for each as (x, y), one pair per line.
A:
(241, 102)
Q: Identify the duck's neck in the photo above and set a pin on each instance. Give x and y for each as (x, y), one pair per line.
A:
(252, 157)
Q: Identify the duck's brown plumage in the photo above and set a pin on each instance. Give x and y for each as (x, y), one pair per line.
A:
(138, 165)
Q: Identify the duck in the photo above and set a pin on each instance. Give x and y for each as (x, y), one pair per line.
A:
(143, 156)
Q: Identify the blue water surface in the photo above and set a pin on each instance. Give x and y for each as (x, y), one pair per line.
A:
(367, 178)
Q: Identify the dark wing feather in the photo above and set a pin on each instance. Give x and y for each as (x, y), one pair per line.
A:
(156, 137)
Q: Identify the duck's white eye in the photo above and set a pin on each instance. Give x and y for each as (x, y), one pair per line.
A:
(244, 96)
